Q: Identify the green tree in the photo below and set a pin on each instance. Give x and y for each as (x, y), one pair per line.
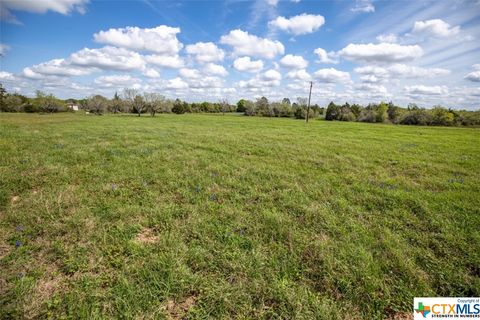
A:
(332, 112)
(178, 107)
(241, 105)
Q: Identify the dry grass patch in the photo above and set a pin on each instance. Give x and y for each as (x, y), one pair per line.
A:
(179, 309)
(146, 236)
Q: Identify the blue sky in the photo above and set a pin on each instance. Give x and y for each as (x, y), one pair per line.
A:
(427, 52)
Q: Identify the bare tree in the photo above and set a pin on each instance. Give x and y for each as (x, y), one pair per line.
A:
(116, 104)
(97, 104)
(134, 100)
(154, 102)
(224, 106)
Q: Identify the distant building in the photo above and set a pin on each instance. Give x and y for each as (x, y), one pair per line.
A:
(72, 106)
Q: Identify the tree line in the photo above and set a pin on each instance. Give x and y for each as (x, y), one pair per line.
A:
(132, 101)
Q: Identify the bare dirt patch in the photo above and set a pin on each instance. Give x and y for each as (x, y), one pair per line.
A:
(15, 199)
(146, 236)
(178, 309)
(401, 316)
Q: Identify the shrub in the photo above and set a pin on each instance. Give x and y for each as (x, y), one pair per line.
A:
(367, 115)
(442, 116)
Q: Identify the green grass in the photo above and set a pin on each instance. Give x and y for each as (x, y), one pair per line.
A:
(211, 216)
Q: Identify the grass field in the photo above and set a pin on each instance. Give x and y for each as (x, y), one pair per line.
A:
(211, 216)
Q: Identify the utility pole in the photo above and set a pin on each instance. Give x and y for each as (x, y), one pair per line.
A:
(308, 106)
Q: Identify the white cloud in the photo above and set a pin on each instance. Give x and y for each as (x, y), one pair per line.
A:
(373, 88)
(205, 82)
(416, 72)
(3, 49)
(55, 67)
(161, 40)
(151, 73)
(378, 72)
(215, 69)
(244, 43)
(173, 62)
(381, 52)
(116, 81)
(248, 65)
(6, 76)
(370, 79)
(189, 73)
(293, 62)
(425, 90)
(205, 52)
(390, 38)
(435, 28)
(272, 2)
(270, 78)
(363, 6)
(297, 25)
(473, 76)
(176, 84)
(272, 75)
(399, 70)
(323, 56)
(332, 75)
(40, 6)
(108, 58)
(299, 75)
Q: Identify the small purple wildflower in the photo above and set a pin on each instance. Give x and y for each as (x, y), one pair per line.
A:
(17, 243)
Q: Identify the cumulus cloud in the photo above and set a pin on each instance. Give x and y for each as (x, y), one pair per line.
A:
(244, 43)
(205, 82)
(176, 84)
(248, 65)
(323, 56)
(332, 75)
(474, 76)
(116, 81)
(381, 52)
(390, 38)
(215, 69)
(435, 28)
(205, 52)
(302, 75)
(294, 62)
(6, 76)
(161, 40)
(373, 88)
(108, 58)
(365, 6)
(189, 73)
(298, 25)
(151, 73)
(398, 70)
(425, 90)
(55, 67)
(40, 6)
(165, 61)
(270, 78)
